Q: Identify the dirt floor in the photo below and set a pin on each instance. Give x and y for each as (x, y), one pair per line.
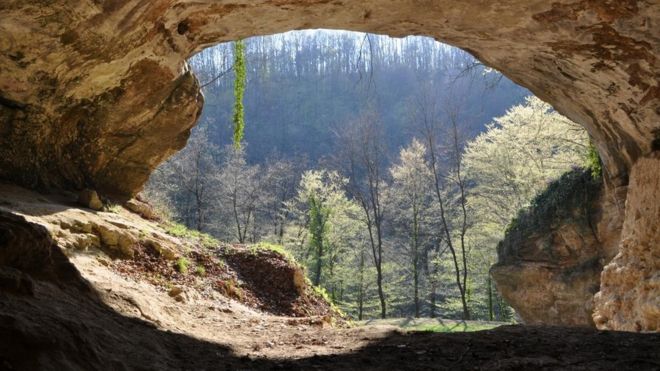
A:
(85, 311)
(123, 324)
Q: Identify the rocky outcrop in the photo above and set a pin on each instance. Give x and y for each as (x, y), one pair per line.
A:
(550, 260)
(629, 297)
(95, 94)
(116, 232)
(27, 251)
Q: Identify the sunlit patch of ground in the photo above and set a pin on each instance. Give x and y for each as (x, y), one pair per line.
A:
(434, 324)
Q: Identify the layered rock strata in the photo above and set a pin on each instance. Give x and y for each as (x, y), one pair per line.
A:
(550, 260)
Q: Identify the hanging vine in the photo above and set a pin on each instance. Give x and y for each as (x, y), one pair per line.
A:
(239, 90)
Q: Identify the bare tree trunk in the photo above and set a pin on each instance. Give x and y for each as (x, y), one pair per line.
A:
(377, 251)
(319, 264)
(364, 149)
(461, 186)
(237, 219)
(361, 287)
(415, 253)
(445, 225)
(416, 290)
(433, 291)
(490, 299)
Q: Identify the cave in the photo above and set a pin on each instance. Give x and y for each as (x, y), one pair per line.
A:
(95, 94)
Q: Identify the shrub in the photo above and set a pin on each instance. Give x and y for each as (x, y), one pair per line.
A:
(182, 265)
(593, 162)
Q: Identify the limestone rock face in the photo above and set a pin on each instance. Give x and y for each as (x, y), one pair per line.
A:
(549, 270)
(116, 233)
(629, 297)
(97, 93)
(90, 199)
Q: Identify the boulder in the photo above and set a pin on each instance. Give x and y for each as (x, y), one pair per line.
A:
(90, 199)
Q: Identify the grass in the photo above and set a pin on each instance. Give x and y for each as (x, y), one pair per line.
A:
(323, 294)
(201, 271)
(435, 324)
(182, 265)
(458, 327)
(275, 248)
(113, 208)
(180, 230)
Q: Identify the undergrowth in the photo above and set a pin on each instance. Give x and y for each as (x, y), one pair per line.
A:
(594, 163)
(182, 265)
(180, 230)
(279, 249)
(454, 327)
(571, 197)
(321, 293)
(113, 208)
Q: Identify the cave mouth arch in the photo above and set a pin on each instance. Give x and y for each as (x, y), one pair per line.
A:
(123, 100)
(97, 95)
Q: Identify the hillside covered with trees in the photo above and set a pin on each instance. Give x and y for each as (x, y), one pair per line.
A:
(390, 168)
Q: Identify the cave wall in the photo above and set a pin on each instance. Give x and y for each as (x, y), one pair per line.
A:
(629, 297)
(551, 258)
(96, 93)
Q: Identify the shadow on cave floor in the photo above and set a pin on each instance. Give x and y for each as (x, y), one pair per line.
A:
(52, 319)
(60, 327)
(28, 202)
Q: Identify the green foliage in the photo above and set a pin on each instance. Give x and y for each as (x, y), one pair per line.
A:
(279, 249)
(593, 161)
(180, 230)
(239, 91)
(182, 265)
(200, 270)
(508, 165)
(434, 325)
(573, 191)
(292, 110)
(318, 230)
(456, 327)
(322, 294)
(113, 208)
(569, 197)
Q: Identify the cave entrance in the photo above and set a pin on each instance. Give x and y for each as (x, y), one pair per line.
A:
(434, 118)
(97, 94)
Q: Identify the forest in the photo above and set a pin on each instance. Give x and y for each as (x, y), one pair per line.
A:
(389, 168)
